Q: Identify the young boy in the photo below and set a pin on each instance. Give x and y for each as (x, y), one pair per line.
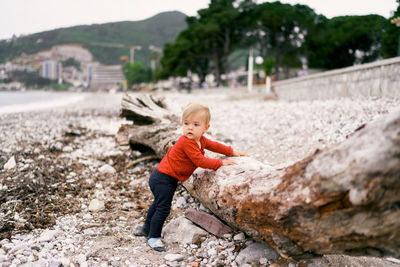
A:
(178, 165)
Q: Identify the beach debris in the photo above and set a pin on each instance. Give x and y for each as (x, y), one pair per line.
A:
(10, 164)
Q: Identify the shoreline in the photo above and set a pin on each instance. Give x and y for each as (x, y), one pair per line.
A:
(37, 100)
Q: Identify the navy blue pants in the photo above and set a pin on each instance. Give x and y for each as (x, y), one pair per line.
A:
(163, 188)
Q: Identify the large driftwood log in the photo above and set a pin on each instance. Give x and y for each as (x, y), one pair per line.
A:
(345, 199)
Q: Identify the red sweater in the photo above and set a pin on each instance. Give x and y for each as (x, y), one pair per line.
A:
(185, 156)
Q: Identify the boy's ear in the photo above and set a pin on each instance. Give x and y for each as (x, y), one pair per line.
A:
(207, 127)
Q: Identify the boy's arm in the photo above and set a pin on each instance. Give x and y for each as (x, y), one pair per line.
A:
(218, 147)
(192, 150)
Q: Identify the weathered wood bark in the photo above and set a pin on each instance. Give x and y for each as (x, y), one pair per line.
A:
(155, 128)
(345, 199)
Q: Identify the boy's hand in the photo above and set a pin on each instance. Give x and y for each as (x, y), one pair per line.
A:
(226, 162)
(238, 154)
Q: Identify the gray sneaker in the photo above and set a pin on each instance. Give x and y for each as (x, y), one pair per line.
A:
(138, 231)
(156, 244)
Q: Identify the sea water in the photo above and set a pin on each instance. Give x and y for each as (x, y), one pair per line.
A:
(11, 102)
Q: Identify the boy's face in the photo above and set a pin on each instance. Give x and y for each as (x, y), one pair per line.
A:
(194, 126)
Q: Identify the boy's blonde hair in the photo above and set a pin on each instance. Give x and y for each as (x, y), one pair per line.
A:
(196, 108)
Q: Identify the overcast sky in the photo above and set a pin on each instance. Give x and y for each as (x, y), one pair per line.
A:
(31, 16)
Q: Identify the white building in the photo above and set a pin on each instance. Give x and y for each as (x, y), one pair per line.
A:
(51, 69)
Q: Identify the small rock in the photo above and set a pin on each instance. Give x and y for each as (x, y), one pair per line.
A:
(129, 205)
(39, 263)
(254, 252)
(67, 149)
(173, 257)
(212, 252)
(47, 235)
(263, 261)
(239, 237)
(96, 205)
(228, 236)
(57, 146)
(55, 264)
(182, 231)
(107, 169)
(11, 164)
(2, 158)
(180, 202)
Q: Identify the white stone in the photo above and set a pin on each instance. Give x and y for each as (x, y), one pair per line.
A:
(67, 149)
(182, 231)
(107, 169)
(228, 236)
(47, 235)
(173, 257)
(263, 261)
(58, 146)
(254, 252)
(81, 258)
(11, 164)
(87, 216)
(128, 205)
(180, 202)
(212, 252)
(96, 205)
(239, 237)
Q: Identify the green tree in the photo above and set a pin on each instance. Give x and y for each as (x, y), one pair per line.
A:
(189, 52)
(221, 32)
(136, 73)
(183, 55)
(279, 31)
(206, 43)
(391, 37)
(31, 79)
(71, 62)
(345, 41)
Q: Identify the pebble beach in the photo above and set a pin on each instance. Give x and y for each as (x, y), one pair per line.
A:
(68, 199)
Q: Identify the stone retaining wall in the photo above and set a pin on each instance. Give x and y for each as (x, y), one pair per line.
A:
(377, 79)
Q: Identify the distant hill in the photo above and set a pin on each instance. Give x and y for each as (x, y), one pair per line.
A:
(157, 31)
